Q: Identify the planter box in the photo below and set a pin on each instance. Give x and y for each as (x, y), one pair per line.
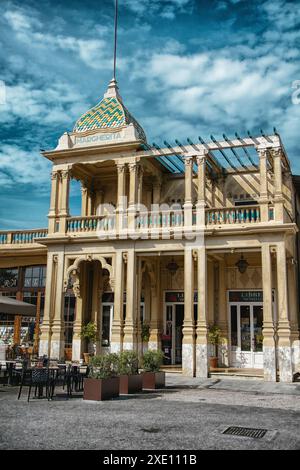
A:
(213, 362)
(131, 383)
(153, 380)
(101, 389)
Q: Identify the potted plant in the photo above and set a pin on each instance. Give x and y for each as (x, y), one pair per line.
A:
(130, 379)
(145, 335)
(215, 339)
(89, 333)
(152, 376)
(103, 381)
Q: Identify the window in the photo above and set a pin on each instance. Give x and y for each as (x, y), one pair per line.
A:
(69, 317)
(35, 276)
(8, 278)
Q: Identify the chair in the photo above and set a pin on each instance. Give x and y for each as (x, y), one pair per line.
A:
(37, 378)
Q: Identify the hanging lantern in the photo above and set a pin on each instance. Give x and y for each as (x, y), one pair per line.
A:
(172, 267)
(242, 264)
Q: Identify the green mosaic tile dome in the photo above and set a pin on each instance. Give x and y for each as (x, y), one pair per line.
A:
(109, 113)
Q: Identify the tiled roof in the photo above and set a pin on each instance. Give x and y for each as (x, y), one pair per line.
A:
(109, 113)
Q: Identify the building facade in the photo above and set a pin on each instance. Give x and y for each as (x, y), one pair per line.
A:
(170, 240)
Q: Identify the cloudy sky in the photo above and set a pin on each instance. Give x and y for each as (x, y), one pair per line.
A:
(185, 68)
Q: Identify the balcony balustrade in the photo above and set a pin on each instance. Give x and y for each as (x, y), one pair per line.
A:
(233, 216)
(21, 237)
(143, 222)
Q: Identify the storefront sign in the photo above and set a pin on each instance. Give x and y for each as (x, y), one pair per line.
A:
(178, 297)
(246, 296)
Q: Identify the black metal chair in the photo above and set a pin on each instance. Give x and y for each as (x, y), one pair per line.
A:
(37, 378)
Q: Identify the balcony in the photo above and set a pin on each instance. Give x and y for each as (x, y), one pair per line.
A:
(160, 222)
(22, 237)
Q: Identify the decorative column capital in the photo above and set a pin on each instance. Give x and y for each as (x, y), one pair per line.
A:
(262, 152)
(121, 168)
(133, 167)
(188, 161)
(276, 152)
(54, 175)
(200, 159)
(65, 174)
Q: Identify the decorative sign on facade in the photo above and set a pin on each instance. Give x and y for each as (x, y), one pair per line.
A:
(178, 297)
(246, 296)
(109, 137)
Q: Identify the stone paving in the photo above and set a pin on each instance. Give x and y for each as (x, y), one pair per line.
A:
(188, 414)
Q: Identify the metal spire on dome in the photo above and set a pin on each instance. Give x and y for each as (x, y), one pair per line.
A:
(115, 40)
(113, 90)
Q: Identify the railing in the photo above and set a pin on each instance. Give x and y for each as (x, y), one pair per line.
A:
(232, 216)
(159, 220)
(21, 237)
(144, 221)
(91, 223)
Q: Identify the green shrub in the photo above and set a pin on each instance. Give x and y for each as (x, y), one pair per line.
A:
(145, 333)
(152, 360)
(89, 331)
(128, 363)
(104, 366)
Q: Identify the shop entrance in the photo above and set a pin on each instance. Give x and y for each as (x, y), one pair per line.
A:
(246, 324)
(172, 340)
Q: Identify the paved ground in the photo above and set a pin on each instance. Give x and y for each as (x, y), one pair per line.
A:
(188, 414)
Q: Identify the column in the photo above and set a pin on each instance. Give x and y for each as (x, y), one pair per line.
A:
(133, 172)
(156, 188)
(293, 311)
(278, 196)
(130, 330)
(77, 342)
(37, 323)
(201, 199)
(284, 329)
(202, 361)
(64, 204)
(117, 325)
(188, 340)
(155, 319)
(121, 197)
(53, 211)
(84, 199)
(263, 174)
(269, 350)
(140, 186)
(138, 306)
(44, 345)
(95, 303)
(57, 347)
(223, 315)
(188, 181)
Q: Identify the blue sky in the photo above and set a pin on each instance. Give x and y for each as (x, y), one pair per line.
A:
(185, 68)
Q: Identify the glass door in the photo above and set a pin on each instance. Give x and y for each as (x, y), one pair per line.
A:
(107, 318)
(246, 323)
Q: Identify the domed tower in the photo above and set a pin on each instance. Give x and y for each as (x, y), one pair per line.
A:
(108, 122)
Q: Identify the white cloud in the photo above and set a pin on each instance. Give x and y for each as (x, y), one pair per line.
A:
(57, 104)
(164, 8)
(18, 166)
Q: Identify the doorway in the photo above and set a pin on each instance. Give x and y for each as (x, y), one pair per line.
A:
(173, 333)
(246, 338)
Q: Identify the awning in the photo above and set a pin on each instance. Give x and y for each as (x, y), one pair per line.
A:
(16, 307)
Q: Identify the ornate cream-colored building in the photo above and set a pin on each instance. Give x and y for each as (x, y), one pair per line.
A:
(173, 239)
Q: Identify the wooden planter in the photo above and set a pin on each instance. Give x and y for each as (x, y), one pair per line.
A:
(153, 380)
(101, 389)
(131, 384)
(213, 362)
